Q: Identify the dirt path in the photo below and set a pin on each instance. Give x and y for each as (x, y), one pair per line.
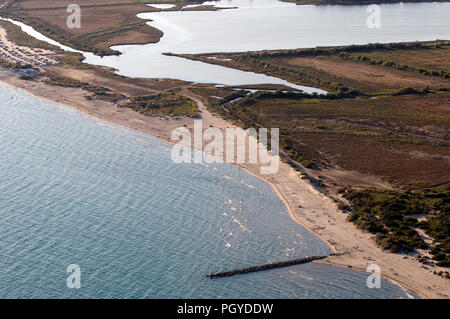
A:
(367, 77)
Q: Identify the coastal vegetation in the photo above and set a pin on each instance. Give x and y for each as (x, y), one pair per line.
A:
(432, 61)
(373, 114)
(385, 136)
(167, 103)
(376, 119)
(395, 216)
(105, 95)
(59, 80)
(216, 98)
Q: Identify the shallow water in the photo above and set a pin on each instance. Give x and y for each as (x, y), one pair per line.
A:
(75, 189)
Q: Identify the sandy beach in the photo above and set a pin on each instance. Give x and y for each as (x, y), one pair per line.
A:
(307, 206)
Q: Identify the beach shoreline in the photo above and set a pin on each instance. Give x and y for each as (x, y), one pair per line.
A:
(306, 205)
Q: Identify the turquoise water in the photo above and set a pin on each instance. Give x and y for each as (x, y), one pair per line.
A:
(76, 190)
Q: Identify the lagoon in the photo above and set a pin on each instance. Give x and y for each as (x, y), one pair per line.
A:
(267, 25)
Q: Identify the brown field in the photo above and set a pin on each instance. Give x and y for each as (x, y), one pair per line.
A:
(103, 23)
(433, 59)
(404, 140)
(91, 19)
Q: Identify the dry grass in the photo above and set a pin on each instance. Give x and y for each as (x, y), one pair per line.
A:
(390, 67)
(436, 59)
(103, 23)
(403, 139)
(362, 77)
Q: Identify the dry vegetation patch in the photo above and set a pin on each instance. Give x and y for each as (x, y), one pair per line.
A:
(167, 103)
(365, 78)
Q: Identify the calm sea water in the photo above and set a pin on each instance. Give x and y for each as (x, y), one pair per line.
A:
(76, 190)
